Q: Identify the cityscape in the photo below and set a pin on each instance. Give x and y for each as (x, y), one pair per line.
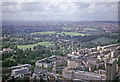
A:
(56, 42)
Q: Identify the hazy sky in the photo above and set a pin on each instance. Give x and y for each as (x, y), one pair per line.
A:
(73, 11)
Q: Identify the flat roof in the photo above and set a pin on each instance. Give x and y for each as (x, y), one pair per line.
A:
(89, 73)
(111, 45)
(19, 69)
(20, 66)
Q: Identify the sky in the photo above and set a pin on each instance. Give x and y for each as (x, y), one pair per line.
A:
(71, 11)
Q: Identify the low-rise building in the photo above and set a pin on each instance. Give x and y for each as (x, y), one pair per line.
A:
(46, 65)
(20, 72)
(20, 66)
(43, 65)
(71, 74)
(67, 73)
(73, 62)
(99, 47)
(101, 71)
(9, 50)
(39, 64)
(83, 75)
(48, 62)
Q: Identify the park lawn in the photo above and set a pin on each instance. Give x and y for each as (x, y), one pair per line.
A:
(103, 40)
(73, 33)
(90, 29)
(32, 45)
(49, 32)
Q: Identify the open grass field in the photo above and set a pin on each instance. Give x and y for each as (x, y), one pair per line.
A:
(72, 33)
(49, 32)
(103, 40)
(32, 45)
(89, 29)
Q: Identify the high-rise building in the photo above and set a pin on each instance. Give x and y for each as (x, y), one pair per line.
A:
(111, 69)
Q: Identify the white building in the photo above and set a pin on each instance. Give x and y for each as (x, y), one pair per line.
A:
(73, 63)
(20, 72)
(43, 65)
(59, 60)
(71, 74)
(99, 47)
(20, 66)
(82, 75)
(39, 64)
(46, 65)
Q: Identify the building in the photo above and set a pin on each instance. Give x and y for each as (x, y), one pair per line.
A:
(20, 72)
(20, 66)
(99, 47)
(110, 46)
(92, 61)
(73, 62)
(111, 69)
(85, 76)
(101, 71)
(47, 65)
(114, 54)
(67, 73)
(39, 64)
(43, 65)
(73, 55)
(9, 50)
(49, 62)
(71, 74)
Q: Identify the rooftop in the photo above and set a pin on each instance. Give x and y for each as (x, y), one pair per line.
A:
(21, 66)
(112, 45)
(110, 60)
(89, 73)
(20, 69)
